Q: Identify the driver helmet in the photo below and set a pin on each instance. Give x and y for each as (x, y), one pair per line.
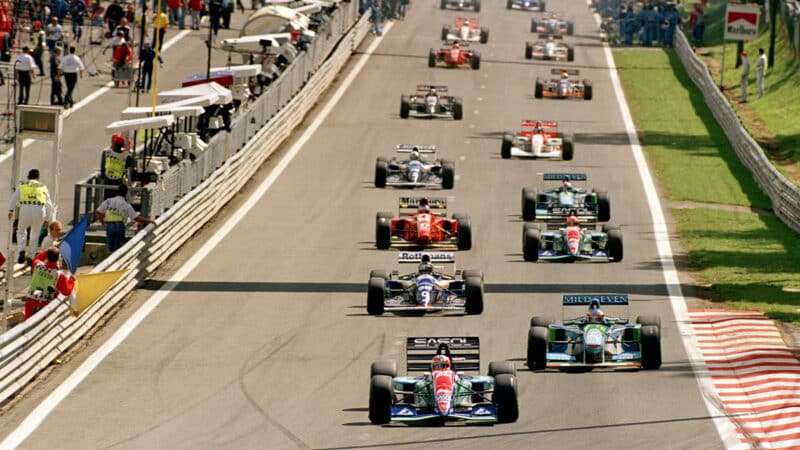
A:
(539, 128)
(423, 205)
(414, 154)
(595, 314)
(466, 23)
(455, 44)
(425, 266)
(566, 184)
(564, 74)
(572, 218)
(440, 362)
(432, 91)
(117, 142)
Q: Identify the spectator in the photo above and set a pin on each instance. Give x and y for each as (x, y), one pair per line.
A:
(745, 73)
(176, 13)
(38, 45)
(35, 207)
(672, 19)
(402, 10)
(55, 78)
(227, 9)
(77, 11)
(53, 238)
(215, 14)
(375, 7)
(113, 213)
(629, 28)
(650, 17)
(160, 23)
(146, 57)
(196, 6)
(113, 16)
(72, 68)
(47, 281)
(24, 70)
(54, 32)
(58, 10)
(761, 71)
(124, 29)
(122, 58)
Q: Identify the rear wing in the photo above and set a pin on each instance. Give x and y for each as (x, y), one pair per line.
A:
(407, 148)
(428, 87)
(562, 176)
(550, 35)
(405, 204)
(571, 72)
(464, 352)
(436, 257)
(473, 23)
(545, 124)
(588, 299)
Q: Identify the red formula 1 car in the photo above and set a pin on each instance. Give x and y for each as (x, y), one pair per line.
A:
(455, 56)
(424, 227)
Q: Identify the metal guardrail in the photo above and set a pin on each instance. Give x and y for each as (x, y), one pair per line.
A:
(31, 346)
(785, 196)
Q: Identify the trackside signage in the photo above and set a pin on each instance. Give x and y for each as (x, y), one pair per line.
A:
(603, 299)
(741, 22)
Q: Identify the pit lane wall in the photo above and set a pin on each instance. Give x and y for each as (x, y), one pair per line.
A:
(784, 194)
(31, 346)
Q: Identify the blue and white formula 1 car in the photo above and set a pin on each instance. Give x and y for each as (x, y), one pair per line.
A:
(443, 392)
(421, 169)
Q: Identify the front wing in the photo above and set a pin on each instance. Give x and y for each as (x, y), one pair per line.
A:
(479, 413)
(596, 255)
(451, 242)
(552, 152)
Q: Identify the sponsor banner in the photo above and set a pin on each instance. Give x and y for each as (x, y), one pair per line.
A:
(741, 22)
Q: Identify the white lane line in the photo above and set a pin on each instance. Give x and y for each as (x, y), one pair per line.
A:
(37, 416)
(727, 432)
(94, 95)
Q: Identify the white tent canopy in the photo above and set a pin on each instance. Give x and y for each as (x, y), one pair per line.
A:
(224, 94)
(167, 108)
(147, 123)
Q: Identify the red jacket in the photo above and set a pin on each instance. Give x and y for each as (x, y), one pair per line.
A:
(196, 5)
(174, 4)
(65, 284)
(122, 54)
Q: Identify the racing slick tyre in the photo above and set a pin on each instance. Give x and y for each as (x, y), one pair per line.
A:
(570, 28)
(538, 91)
(458, 109)
(484, 35)
(405, 107)
(476, 61)
(528, 50)
(470, 273)
(380, 399)
(448, 174)
(537, 348)
(603, 206)
(651, 347)
(543, 7)
(509, 4)
(529, 203)
(378, 273)
(587, 90)
(530, 245)
(444, 4)
(445, 32)
(541, 321)
(534, 25)
(432, 58)
(615, 244)
(570, 54)
(381, 171)
(500, 367)
(473, 291)
(646, 320)
(477, 6)
(505, 147)
(383, 230)
(375, 296)
(385, 367)
(505, 398)
(567, 150)
(464, 231)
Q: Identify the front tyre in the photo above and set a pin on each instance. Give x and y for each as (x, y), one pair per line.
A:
(505, 398)
(381, 395)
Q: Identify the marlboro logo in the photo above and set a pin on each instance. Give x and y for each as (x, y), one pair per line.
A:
(734, 16)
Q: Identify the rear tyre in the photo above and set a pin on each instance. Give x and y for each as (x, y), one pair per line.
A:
(375, 296)
(380, 399)
(587, 90)
(471, 273)
(378, 273)
(570, 53)
(444, 4)
(615, 245)
(458, 109)
(505, 398)
(543, 8)
(570, 28)
(405, 106)
(529, 195)
(537, 348)
(385, 367)
(448, 174)
(505, 147)
(445, 32)
(484, 35)
(476, 61)
(651, 347)
(647, 320)
(477, 6)
(381, 171)
(541, 321)
(603, 206)
(530, 245)
(464, 231)
(500, 367)
(432, 58)
(567, 150)
(538, 92)
(383, 230)
(533, 25)
(508, 4)
(528, 50)
(473, 292)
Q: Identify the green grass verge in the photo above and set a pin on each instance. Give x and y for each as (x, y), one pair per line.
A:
(689, 151)
(748, 258)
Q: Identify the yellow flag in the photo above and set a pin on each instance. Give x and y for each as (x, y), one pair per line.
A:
(89, 287)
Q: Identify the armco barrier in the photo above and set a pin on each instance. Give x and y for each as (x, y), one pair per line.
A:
(785, 196)
(28, 348)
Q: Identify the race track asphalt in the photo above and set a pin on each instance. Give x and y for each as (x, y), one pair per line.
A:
(267, 343)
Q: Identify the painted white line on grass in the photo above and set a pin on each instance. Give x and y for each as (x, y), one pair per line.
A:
(661, 234)
(94, 95)
(40, 413)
